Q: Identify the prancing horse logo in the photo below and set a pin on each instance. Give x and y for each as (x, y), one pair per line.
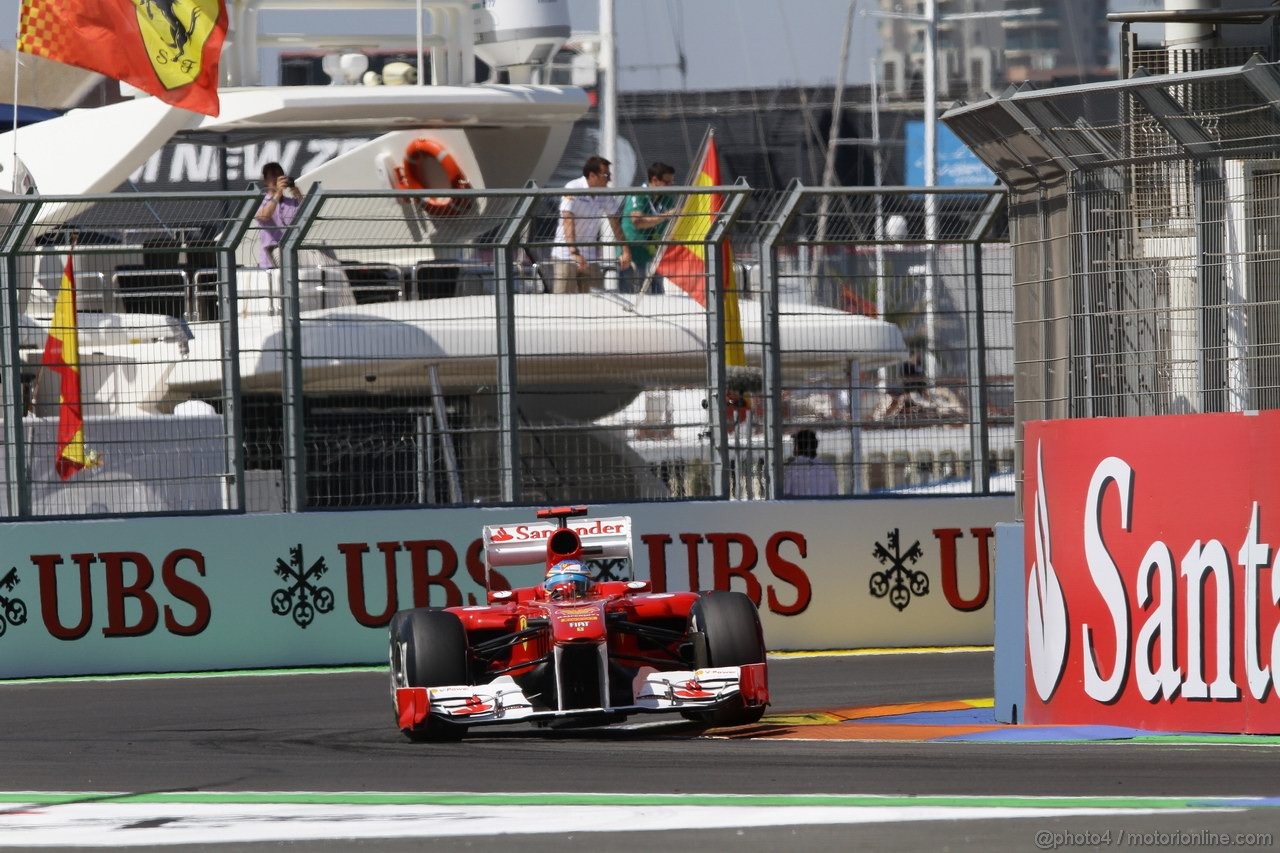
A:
(175, 32)
(178, 34)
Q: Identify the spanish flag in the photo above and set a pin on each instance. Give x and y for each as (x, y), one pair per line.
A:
(169, 48)
(62, 356)
(684, 261)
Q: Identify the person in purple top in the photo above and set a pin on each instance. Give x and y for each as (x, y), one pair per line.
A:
(275, 214)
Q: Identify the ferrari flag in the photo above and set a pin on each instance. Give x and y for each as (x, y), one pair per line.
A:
(684, 261)
(169, 48)
(62, 356)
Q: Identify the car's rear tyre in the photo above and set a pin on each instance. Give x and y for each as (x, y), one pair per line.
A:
(434, 645)
(726, 630)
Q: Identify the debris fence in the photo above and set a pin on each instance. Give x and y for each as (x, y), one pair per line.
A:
(437, 348)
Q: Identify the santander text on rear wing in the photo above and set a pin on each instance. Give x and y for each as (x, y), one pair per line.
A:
(525, 543)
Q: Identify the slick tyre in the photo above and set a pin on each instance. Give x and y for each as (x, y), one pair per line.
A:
(428, 649)
(726, 628)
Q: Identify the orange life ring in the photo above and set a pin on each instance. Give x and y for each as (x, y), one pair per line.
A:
(412, 176)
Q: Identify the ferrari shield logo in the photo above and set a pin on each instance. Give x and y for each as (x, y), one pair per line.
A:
(174, 32)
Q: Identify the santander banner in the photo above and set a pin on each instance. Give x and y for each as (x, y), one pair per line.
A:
(1152, 596)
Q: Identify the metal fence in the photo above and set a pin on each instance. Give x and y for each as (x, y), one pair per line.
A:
(1145, 248)
(413, 349)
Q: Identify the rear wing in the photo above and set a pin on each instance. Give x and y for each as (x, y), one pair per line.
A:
(525, 544)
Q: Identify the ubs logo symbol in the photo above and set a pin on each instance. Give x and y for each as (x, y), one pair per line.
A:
(301, 597)
(13, 610)
(898, 582)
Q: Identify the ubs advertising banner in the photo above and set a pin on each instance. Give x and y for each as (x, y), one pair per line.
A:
(1151, 588)
(265, 590)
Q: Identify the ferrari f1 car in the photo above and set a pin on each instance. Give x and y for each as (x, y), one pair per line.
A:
(580, 648)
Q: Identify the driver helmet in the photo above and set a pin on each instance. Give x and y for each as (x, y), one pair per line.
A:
(568, 579)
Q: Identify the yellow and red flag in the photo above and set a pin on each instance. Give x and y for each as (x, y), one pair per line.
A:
(684, 261)
(169, 48)
(62, 356)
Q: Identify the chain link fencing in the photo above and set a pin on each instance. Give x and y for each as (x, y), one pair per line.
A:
(433, 348)
(1145, 246)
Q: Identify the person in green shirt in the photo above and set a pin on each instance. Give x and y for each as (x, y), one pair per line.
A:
(644, 220)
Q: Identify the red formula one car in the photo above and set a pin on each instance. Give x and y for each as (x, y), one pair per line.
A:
(577, 648)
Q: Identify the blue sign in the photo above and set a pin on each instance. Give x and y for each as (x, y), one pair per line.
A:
(957, 165)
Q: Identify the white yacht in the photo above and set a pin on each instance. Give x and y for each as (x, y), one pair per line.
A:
(140, 366)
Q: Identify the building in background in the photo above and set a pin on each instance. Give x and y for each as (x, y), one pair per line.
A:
(1067, 42)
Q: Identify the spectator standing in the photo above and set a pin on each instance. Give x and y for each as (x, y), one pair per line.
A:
(279, 207)
(576, 256)
(913, 398)
(805, 474)
(644, 221)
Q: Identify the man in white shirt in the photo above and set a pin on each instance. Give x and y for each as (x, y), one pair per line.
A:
(576, 256)
(805, 474)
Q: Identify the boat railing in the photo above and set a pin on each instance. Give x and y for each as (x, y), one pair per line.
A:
(154, 291)
(92, 295)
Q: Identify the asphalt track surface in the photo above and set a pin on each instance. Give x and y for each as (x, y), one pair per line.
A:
(332, 732)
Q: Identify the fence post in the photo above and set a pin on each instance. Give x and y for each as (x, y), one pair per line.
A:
(18, 481)
(717, 377)
(772, 358)
(228, 311)
(505, 317)
(295, 451)
(979, 476)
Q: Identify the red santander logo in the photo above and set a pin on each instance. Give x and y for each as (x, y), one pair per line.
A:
(1152, 600)
(542, 530)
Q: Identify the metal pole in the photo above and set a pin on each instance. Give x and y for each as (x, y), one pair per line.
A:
(295, 449)
(930, 181)
(717, 375)
(505, 330)
(717, 366)
(16, 469)
(609, 87)
(780, 219)
(833, 137)
(422, 78)
(979, 428)
(422, 440)
(877, 159)
(508, 401)
(855, 425)
(229, 320)
(446, 437)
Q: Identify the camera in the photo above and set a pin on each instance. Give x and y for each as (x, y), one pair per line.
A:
(288, 182)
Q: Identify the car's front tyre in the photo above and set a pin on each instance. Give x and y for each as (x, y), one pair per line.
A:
(727, 632)
(428, 648)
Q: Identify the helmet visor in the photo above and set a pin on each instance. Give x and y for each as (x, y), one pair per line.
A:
(568, 585)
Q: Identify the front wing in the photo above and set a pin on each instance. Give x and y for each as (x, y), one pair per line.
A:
(503, 701)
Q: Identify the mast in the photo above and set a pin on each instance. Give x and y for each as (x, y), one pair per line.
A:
(833, 140)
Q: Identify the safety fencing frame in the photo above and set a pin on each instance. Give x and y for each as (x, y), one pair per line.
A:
(220, 218)
(770, 238)
(1145, 282)
(512, 237)
(814, 222)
